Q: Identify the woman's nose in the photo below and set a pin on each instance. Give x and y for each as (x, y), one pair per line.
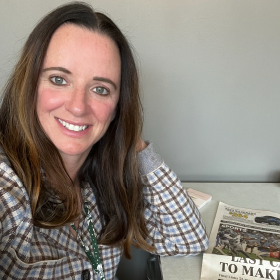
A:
(77, 102)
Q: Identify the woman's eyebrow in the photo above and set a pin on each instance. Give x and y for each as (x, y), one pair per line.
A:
(106, 80)
(62, 69)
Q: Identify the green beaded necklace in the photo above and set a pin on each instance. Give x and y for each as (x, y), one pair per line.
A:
(94, 256)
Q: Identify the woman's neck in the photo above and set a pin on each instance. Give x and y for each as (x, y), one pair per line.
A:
(72, 165)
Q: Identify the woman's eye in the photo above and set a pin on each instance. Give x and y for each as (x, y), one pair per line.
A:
(101, 90)
(58, 80)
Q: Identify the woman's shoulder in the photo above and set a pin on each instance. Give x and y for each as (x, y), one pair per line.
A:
(6, 170)
(14, 202)
(3, 158)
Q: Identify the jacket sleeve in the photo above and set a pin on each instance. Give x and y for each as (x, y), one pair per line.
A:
(174, 223)
(13, 205)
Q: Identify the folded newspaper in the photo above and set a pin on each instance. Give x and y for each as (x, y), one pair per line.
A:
(244, 244)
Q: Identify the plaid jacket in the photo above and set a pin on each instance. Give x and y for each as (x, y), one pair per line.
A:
(28, 252)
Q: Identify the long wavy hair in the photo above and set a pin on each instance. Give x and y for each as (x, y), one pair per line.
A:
(111, 166)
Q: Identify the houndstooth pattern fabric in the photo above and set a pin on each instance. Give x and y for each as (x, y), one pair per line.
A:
(29, 252)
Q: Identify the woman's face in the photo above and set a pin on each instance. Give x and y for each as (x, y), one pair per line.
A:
(78, 89)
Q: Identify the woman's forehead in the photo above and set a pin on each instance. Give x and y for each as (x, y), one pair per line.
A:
(75, 47)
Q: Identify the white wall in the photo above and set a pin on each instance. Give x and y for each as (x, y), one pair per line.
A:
(210, 72)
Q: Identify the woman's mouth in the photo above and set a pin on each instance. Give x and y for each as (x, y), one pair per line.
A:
(73, 127)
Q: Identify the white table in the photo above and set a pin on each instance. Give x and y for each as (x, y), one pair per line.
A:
(264, 196)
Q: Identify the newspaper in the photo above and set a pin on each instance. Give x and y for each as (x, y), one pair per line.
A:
(243, 244)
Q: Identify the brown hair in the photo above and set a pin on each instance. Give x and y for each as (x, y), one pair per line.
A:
(111, 166)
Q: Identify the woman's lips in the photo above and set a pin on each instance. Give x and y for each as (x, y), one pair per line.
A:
(73, 127)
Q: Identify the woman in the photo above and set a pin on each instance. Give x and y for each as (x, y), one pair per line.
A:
(74, 170)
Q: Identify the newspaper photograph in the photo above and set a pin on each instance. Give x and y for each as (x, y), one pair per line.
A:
(243, 244)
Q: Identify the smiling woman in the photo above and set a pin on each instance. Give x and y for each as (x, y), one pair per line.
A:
(78, 185)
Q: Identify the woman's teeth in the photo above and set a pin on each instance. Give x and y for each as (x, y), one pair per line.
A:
(73, 127)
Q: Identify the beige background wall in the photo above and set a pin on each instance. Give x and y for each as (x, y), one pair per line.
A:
(210, 78)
